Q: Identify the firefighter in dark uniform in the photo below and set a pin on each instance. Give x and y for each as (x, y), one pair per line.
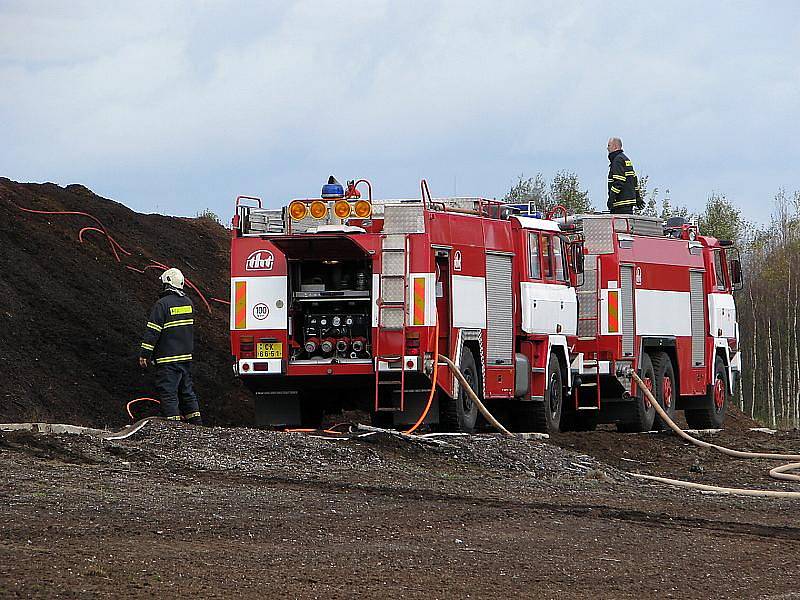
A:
(623, 185)
(168, 342)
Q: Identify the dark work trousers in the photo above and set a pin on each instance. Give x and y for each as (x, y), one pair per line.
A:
(623, 210)
(175, 391)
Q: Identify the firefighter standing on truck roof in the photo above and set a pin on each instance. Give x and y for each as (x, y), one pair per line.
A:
(623, 185)
(168, 342)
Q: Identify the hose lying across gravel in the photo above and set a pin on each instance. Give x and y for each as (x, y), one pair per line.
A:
(780, 472)
(777, 473)
(487, 415)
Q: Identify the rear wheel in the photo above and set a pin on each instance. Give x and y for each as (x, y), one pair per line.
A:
(665, 388)
(278, 410)
(461, 413)
(585, 420)
(528, 416)
(717, 398)
(640, 414)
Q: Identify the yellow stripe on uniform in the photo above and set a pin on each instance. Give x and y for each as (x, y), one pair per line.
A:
(628, 163)
(147, 346)
(630, 173)
(153, 326)
(192, 415)
(180, 310)
(617, 203)
(615, 190)
(619, 177)
(174, 418)
(179, 323)
(170, 359)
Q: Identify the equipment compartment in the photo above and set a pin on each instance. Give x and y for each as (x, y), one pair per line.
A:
(331, 310)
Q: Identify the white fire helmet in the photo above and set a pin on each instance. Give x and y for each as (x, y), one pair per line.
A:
(173, 278)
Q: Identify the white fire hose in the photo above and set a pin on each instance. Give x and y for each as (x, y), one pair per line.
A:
(780, 472)
(777, 473)
(471, 393)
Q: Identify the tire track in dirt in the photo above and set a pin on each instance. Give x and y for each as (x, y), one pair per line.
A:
(661, 520)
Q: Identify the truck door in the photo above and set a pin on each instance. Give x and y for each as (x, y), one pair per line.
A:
(549, 305)
(442, 261)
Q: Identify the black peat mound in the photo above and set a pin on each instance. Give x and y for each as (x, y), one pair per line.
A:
(71, 315)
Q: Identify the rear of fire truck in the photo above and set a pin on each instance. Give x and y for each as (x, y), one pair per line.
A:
(303, 303)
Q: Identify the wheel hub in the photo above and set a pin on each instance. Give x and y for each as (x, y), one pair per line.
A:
(466, 400)
(553, 396)
(666, 392)
(648, 382)
(719, 394)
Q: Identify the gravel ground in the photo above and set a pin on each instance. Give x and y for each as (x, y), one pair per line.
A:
(184, 511)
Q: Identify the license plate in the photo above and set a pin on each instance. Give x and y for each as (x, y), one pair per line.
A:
(269, 350)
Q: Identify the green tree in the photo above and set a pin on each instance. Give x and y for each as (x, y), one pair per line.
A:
(208, 215)
(531, 190)
(650, 197)
(720, 219)
(564, 189)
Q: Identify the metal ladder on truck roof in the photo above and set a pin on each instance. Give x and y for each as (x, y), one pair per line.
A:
(392, 321)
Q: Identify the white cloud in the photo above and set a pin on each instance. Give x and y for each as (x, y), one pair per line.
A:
(182, 92)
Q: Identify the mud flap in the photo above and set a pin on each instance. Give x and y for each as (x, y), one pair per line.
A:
(415, 402)
(277, 409)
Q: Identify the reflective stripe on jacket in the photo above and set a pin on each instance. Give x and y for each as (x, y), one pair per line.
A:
(623, 184)
(169, 332)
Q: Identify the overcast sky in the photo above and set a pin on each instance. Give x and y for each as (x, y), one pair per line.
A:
(180, 106)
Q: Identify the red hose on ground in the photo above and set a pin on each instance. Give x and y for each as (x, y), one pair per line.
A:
(72, 212)
(221, 301)
(433, 380)
(132, 402)
(113, 241)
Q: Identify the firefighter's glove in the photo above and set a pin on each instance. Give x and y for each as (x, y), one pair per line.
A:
(143, 362)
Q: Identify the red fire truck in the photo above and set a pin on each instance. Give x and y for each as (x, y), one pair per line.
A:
(343, 301)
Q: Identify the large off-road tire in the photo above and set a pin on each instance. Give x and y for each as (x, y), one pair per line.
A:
(585, 420)
(553, 405)
(640, 414)
(528, 416)
(717, 398)
(461, 413)
(665, 387)
(543, 416)
(383, 419)
(311, 410)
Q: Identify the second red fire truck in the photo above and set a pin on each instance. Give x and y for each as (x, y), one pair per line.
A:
(344, 301)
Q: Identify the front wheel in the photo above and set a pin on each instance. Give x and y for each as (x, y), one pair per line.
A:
(545, 416)
(717, 398)
(554, 395)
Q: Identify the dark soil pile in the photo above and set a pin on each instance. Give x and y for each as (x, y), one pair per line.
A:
(72, 317)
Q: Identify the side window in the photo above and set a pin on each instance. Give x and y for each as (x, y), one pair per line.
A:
(558, 256)
(547, 256)
(536, 267)
(719, 271)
